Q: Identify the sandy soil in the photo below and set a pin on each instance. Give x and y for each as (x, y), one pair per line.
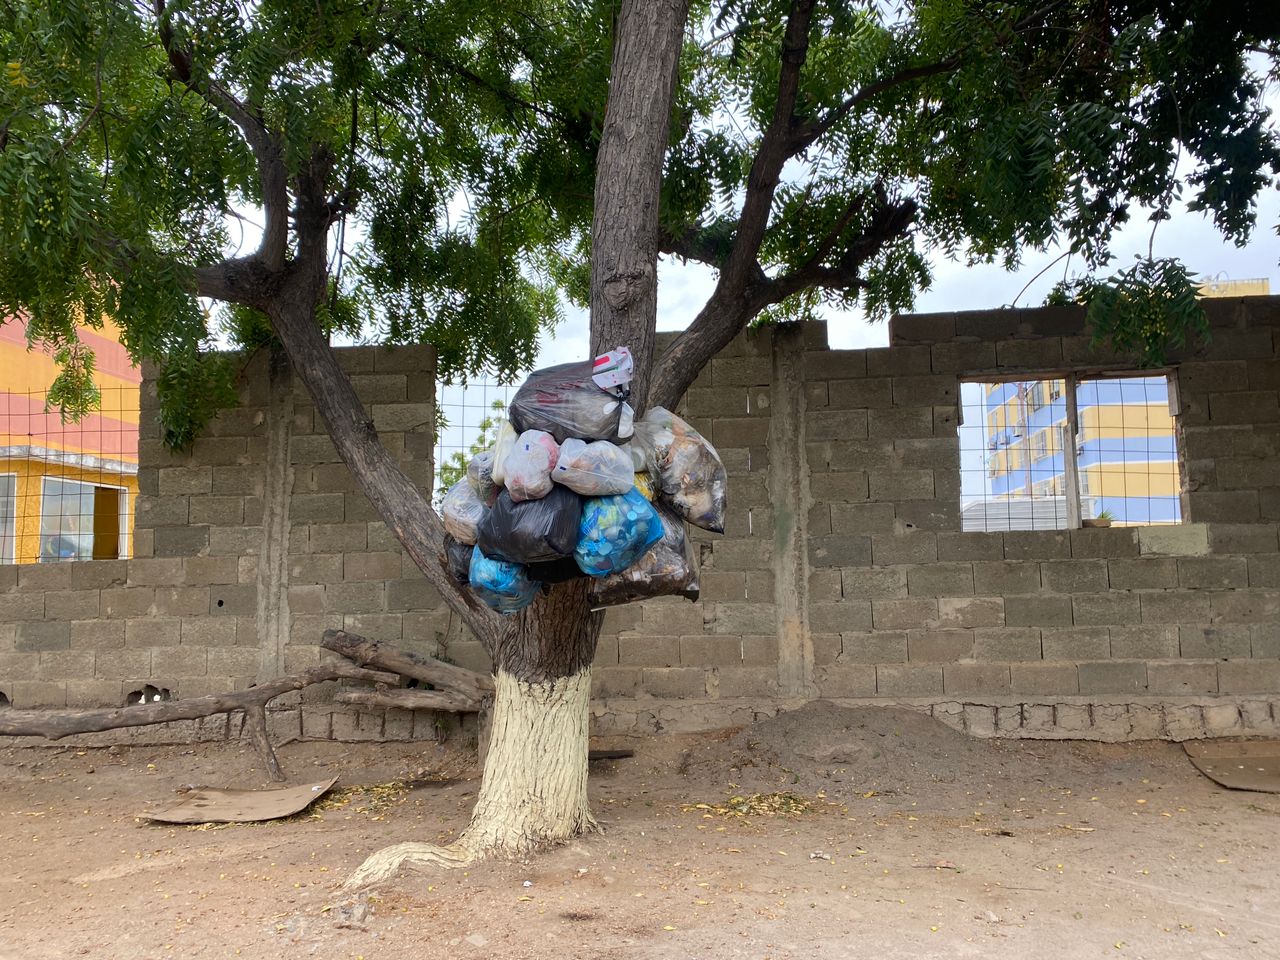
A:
(917, 842)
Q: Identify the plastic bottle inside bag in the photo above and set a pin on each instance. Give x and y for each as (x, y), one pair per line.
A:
(615, 532)
(480, 476)
(686, 466)
(504, 442)
(669, 568)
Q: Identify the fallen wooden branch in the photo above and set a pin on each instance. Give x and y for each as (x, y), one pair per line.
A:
(406, 699)
(54, 725)
(384, 656)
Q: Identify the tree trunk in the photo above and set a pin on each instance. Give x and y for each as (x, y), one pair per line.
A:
(534, 790)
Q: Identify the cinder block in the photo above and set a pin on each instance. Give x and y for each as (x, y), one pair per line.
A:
(940, 579)
(737, 618)
(1183, 540)
(900, 359)
(873, 583)
(861, 518)
(933, 646)
(845, 616)
(191, 480)
(976, 679)
(1029, 356)
(1044, 679)
(123, 664)
(824, 585)
(180, 601)
(1246, 606)
(670, 616)
(1113, 676)
(402, 595)
(375, 626)
(1224, 506)
(1006, 643)
(1245, 537)
(97, 634)
(1182, 679)
(1244, 406)
(35, 637)
(175, 662)
(960, 357)
(879, 646)
(676, 682)
(616, 682)
(1075, 643)
(911, 547)
(1217, 642)
(1003, 578)
(21, 606)
(933, 389)
(746, 555)
(236, 600)
(180, 541)
(1107, 543)
(1037, 545)
(1146, 573)
(32, 694)
(156, 572)
(1213, 573)
(65, 665)
(836, 425)
(708, 651)
(970, 546)
(845, 680)
(1146, 642)
(88, 693)
(1249, 676)
(895, 485)
(1105, 608)
(1173, 607)
(220, 661)
(900, 422)
(968, 612)
(1265, 641)
(759, 650)
(940, 514)
(915, 613)
(638, 650)
(1037, 611)
(1183, 721)
(1074, 576)
(839, 551)
(619, 619)
(365, 597)
(909, 680)
(166, 511)
(207, 631)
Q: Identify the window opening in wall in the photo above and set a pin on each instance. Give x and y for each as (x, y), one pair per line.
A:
(8, 516)
(5, 702)
(469, 416)
(40, 455)
(82, 521)
(1063, 452)
(148, 694)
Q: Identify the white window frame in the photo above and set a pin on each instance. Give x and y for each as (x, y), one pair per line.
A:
(122, 544)
(10, 556)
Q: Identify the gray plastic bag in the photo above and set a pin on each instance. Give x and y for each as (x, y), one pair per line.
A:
(565, 402)
(689, 472)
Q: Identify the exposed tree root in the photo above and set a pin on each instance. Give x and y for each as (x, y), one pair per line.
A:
(387, 862)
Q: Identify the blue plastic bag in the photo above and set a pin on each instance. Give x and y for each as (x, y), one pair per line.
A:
(615, 532)
(502, 585)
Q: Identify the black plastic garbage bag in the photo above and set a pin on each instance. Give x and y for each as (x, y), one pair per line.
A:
(458, 557)
(533, 530)
(565, 402)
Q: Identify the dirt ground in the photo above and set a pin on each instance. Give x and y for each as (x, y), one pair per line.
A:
(855, 833)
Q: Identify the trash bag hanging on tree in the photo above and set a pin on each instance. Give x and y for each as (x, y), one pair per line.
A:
(686, 466)
(533, 530)
(615, 532)
(480, 476)
(566, 402)
(499, 584)
(462, 511)
(504, 442)
(458, 559)
(669, 568)
(598, 469)
(529, 465)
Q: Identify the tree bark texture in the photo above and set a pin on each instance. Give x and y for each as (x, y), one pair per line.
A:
(624, 226)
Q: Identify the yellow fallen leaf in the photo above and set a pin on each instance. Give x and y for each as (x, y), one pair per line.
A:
(524, 899)
(668, 927)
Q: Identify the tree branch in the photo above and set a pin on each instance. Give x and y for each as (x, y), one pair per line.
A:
(385, 656)
(738, 287)
(264, 144)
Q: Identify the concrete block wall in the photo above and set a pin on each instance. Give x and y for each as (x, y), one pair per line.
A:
(843, 572)
(247, 547)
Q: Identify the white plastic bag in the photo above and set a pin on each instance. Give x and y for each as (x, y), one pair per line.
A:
(594, 469)
(504, 442)
(480, 476)
(528, 467)
(462, 511)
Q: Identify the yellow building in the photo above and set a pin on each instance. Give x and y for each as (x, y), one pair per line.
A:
(67, 491)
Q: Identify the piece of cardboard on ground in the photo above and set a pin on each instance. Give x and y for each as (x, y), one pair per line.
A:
(1238, 764)
(211, 805)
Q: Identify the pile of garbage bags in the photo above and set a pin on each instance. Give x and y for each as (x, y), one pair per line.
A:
(575, 486)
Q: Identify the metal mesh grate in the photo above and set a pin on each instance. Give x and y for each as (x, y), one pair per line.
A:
(1028, 453)
(67, 490)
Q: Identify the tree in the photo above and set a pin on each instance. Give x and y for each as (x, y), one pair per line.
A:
(809, 152)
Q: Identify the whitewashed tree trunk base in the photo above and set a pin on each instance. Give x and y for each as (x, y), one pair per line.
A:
(534, 789)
